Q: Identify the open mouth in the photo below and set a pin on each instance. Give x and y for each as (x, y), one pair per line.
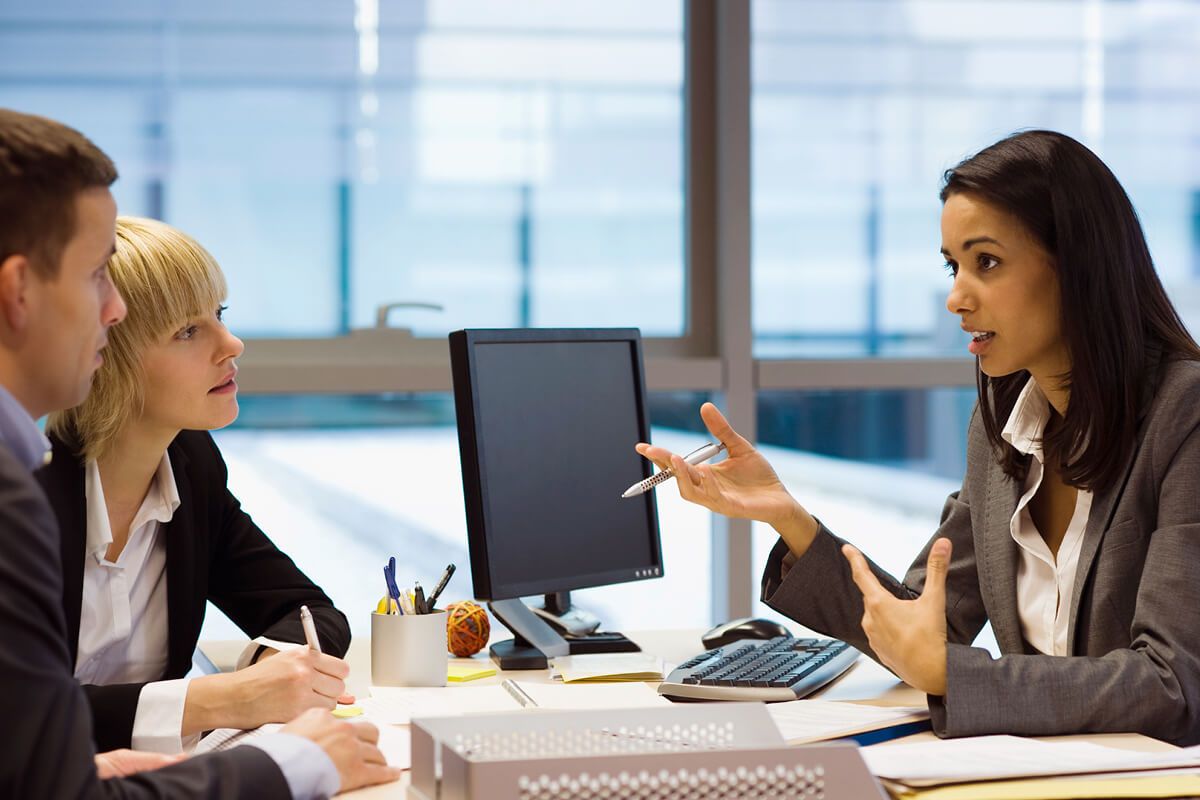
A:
(981, 336)
(228, 385)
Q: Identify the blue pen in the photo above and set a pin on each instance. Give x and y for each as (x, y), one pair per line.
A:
(389, 575)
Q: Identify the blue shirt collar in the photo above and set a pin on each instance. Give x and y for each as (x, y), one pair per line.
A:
(19, 431)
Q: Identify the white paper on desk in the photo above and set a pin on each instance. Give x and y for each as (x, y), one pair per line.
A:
(397, 705)
(580, 696)
(802, 721)
(608, 667)
(995, 757)
(395, 742)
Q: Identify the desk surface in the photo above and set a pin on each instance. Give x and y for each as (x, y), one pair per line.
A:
(865, 682)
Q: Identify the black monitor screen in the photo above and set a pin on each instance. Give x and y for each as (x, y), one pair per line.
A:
(547, 448)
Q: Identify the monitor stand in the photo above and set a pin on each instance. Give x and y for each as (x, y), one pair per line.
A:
(535, 641)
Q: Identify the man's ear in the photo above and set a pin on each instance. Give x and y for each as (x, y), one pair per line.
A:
(15, 275)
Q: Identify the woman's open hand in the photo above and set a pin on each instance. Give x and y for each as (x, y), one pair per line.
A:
(908, 636)
(744, 485)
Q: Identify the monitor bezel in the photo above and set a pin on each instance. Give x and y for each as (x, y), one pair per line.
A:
(475, 488)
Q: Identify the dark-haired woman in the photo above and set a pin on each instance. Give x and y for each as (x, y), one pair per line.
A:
(1077, 529)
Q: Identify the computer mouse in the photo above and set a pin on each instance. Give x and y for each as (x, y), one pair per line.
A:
(745, 628)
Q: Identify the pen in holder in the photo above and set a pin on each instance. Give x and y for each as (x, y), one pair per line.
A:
(409, 649)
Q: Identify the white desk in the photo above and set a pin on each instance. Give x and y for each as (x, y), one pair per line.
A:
(865, 682)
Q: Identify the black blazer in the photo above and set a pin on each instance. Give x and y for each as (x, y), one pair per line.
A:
(47, 746)
(214, 552)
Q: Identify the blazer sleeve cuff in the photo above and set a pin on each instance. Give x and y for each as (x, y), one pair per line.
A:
(787, 580)
(113, 709)
(969, 682)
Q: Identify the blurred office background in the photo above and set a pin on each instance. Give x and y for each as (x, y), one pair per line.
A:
(550, 163)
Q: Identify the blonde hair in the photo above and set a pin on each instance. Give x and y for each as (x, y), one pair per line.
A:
(166, 278)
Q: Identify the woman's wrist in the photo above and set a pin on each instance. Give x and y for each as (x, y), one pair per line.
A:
(211, 703)
(797, 528)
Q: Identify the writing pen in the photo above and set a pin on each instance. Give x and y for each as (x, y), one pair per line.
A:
(419, 599)
(310, 630)
(437, 590)
(519, 694)
(695, 457)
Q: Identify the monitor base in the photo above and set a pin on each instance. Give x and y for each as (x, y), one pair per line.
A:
(515, 654)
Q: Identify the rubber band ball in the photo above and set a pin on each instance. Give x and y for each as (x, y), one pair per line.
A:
(467, 628)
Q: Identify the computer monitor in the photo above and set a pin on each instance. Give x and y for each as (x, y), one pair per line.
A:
(547, 420)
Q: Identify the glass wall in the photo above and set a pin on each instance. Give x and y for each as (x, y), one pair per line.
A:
(497, 159)
(859, 107)
(341, 483)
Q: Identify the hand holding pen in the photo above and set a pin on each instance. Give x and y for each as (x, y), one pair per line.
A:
(697, 456)
(743, 486)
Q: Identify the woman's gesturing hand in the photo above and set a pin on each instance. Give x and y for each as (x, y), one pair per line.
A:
(908, 636)
(744, 485)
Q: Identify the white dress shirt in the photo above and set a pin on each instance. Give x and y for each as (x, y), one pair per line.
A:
(1044, 583)
(123, 625)
(123, 619)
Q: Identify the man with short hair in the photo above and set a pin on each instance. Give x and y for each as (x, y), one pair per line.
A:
(57, 229)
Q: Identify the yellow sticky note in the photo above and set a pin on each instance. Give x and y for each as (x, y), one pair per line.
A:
(468, 672)
(345, 712)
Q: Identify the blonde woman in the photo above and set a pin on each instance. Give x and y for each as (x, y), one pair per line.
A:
(151, 532)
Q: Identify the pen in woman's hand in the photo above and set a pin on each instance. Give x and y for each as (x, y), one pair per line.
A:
(698, 456)
(310, 630)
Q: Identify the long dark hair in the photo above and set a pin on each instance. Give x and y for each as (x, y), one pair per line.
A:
(1116, 318)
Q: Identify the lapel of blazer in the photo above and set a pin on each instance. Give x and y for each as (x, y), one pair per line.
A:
(1000, 552)
(180, 540)
(63, 481)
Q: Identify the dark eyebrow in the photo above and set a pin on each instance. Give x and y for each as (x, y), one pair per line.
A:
(969, 243)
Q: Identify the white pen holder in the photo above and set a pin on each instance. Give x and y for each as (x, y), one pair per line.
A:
(409, 649)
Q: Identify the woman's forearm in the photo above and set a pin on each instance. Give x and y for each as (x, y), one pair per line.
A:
(798, 529)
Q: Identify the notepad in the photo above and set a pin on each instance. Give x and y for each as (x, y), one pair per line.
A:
(804, 721)
(460, 673)
(579, 696)
(602, 667)
(396, 705)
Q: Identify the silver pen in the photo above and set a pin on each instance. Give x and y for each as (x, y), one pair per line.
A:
(519, 694)
(310, 630)
(695, 457)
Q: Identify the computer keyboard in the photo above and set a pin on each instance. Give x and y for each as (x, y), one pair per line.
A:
(771, 670)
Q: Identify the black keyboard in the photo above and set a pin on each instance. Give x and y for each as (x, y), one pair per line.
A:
(771, 670)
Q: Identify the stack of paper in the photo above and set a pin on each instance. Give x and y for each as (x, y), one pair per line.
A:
(1012, 767)
(608, 667)
(804, 721)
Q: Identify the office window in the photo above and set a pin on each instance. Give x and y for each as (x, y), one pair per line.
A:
(341, 483)
(874, 465)
(499, 159)
(858, 107)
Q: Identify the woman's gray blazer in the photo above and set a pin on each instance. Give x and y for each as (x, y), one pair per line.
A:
(1134, 632)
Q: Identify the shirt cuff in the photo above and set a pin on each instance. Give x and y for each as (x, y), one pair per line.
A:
(256, 645)
(308, 770)
(158, 719)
